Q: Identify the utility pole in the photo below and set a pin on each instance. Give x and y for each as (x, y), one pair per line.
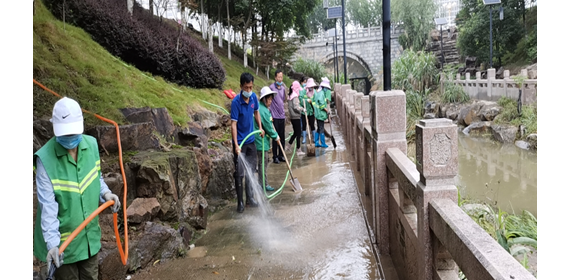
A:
(336, 51)
(344, 43)
(386, 45)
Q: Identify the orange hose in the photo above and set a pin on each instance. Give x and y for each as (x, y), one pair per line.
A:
(124, 253)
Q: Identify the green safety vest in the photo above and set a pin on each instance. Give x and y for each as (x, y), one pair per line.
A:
(267, 123)
(77, 191)
(303, 96)
(320, 103)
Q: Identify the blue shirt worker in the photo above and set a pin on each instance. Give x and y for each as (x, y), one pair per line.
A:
(245, 107)
(69, 188)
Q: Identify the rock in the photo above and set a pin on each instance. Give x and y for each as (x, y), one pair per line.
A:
(154, 242)
(187, 232)
(134, 137)
(115, 183)
(208, 120)
(142, 210)
(429, 116)
(195, 211)
(193, 135)
(522, 144)
(159, 117)
(43, 132)
(532, 141)
(504, 133)
(467, 115)
(225, 120)
(205, 167)
(477, 128)
(489, 112)
(452, 111)
(221, 182)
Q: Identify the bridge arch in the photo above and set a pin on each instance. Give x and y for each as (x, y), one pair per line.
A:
(327, 60)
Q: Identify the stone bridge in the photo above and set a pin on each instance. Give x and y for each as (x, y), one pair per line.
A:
(363, 51)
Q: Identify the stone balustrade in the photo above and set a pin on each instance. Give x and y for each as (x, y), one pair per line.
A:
(417, 227)
(492, 89)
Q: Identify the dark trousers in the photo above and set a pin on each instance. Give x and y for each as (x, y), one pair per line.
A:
(86, 269)
(280, 128)
(296, 132)
(249, 154)
(320, 126)
(311, 122)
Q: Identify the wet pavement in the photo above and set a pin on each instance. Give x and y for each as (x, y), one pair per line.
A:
(319, 233)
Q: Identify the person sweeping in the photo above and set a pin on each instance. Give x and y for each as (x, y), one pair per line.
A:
(321, 114)
(295, 111)
(266, 98)
(306, 97)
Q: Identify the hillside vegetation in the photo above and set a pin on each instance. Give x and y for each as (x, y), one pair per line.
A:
(69, 62)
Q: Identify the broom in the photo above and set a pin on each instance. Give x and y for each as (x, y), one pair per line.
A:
(310, 144)
(332, 137)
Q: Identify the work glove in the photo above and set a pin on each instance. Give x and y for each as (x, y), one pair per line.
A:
(110, 196)
(54, 256)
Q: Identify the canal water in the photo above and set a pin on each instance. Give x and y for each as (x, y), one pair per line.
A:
(318, 233)
(502, 175)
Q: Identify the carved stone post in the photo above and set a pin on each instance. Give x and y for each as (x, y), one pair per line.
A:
(436, 161)
(355, 143)
(388, 122)
(363, 121)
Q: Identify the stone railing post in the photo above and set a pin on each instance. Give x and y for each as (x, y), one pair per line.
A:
(346, 116)
(436, 161)
(388, 123)
(344, 89)
(490, 79)
(365, 112)
(355, 144)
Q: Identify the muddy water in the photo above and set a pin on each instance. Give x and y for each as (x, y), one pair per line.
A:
(319, 233)
(501, 174)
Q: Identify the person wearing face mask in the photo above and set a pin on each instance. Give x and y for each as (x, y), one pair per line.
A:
(244, 109)
(295, 111)
(306, 96)
(70, 187)
(278, 113)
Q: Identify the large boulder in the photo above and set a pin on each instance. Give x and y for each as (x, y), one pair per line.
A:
(154, 242)
(142, 210)
(532, 141)
(221, 182)
(159, 117)
(208, 120)
(504, 133)
(450, 111)
(205, 166)
(467, 115)
(134, 137)
(478, 129)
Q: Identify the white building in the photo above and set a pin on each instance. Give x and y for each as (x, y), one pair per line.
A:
(447, 9)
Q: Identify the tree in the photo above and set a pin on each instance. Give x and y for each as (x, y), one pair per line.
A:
(318, 21)
(416, 17)
(364, 12)
(473, 37)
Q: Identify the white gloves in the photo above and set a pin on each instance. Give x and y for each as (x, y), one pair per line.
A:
(54, 256)
(110, 196)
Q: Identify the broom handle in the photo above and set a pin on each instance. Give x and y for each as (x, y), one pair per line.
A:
(286, 160)
(307, 120)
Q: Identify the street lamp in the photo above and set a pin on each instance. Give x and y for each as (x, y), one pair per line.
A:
(441, 22)
(490, 3)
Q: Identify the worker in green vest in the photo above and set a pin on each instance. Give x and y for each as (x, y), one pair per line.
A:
(69, 188)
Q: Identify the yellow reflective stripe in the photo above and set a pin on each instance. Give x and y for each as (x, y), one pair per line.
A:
(88, 179)
(64, 183)
(98, 165)
(64, 236)
(66, 189)
(67, 186)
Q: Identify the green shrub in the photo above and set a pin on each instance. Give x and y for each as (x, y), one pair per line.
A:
(510, 115)
(310, 68)
(454, 93)
(415, 71)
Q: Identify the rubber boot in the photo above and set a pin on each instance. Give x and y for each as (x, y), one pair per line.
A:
(315, 137)
(323, 141)
(239, 192)
(304, 133)
(249, 200)
(317, 142)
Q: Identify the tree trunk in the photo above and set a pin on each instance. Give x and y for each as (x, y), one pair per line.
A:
(229, 31)
(151, 7)
(210, 36)
(220, 34)
(130, 6)
(203, 20)
(243, 36)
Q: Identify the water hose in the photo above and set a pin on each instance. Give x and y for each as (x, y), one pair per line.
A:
(123, 253)
(216, 106)
(278, 191)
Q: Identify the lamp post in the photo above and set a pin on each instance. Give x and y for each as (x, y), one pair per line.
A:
(490, 3)
(441, 22)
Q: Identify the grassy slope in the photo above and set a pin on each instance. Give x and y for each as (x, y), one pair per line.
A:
(69, 62)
